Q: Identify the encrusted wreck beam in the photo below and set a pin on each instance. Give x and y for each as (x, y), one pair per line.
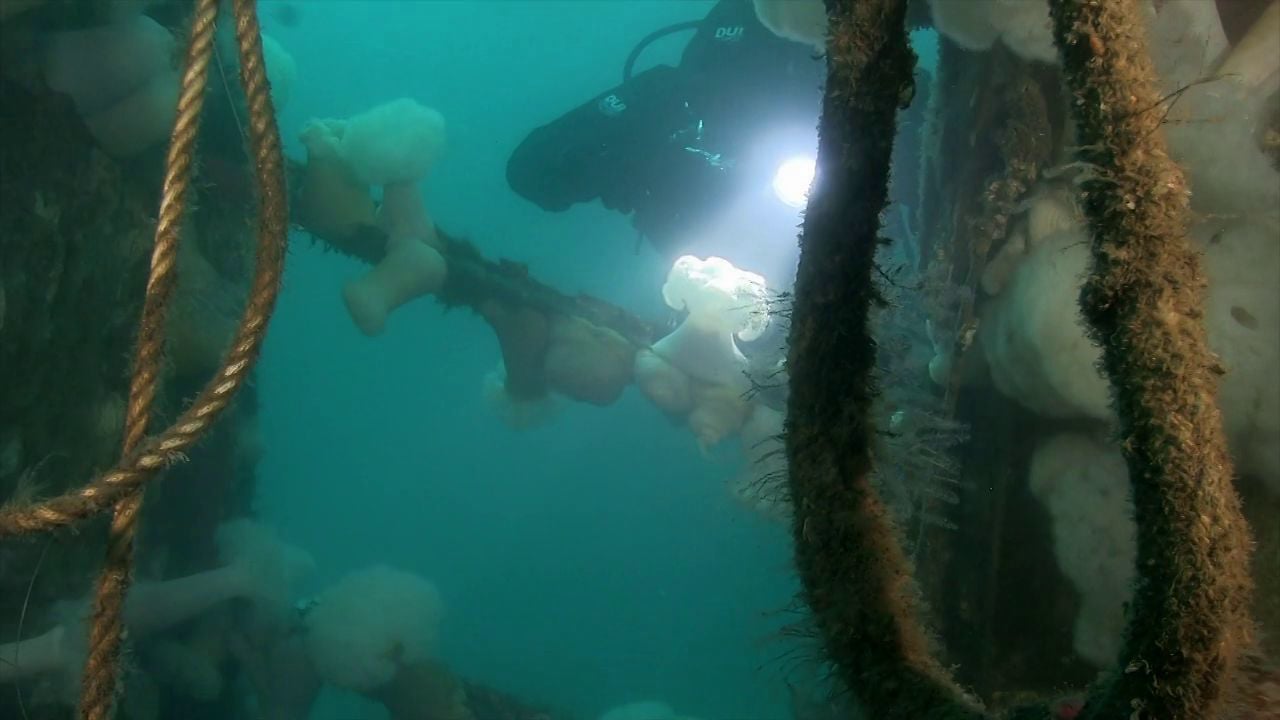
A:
(473, 279)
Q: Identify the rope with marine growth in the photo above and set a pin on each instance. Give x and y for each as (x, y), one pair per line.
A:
(1143, 300)
(1189, 622)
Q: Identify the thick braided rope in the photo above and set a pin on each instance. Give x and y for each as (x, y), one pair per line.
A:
(1144, 301)
(856, 578)
(106, 631)
(156, 453)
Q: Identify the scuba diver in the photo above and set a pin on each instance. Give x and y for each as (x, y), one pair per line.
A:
(672, 146)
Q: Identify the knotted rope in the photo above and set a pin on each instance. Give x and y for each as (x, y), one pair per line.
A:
(142, 458)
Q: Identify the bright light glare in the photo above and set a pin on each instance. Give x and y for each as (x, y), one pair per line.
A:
(792, 181)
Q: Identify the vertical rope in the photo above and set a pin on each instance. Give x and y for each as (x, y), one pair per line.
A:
(101, 678)
(154, 454)
(1189, 621)
(106, 634)
(857, 580)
